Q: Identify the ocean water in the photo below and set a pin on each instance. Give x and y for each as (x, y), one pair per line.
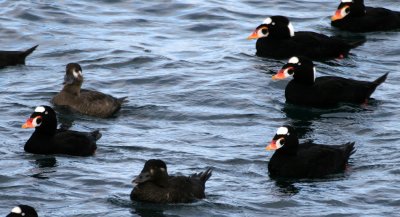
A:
(198, 98)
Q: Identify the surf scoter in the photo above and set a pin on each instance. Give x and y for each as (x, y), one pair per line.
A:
(12, 58)
(154, 184)
(23, 211)
(276, 38)
(88, 102)
(306, 160)
(327, 91)
(47, 139)
(354, 16)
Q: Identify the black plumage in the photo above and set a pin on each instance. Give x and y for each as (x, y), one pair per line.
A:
(327, 91)
(23, 211)
(306, 160)
(12, 58)
(154, 184)
(88, 102)
(47, 139)
(354, 16)
(276, 38)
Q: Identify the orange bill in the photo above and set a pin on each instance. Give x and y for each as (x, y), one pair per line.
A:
(338, 14)
(281, 74)
(253, 35)
(271, 146)
(28, 124)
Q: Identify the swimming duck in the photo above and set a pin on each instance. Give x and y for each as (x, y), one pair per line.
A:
(47, 139)
(154, 184)
(23, 211)
(12, 58)
(327, 91)
(88, 102)
(354, 16)
(276, 38)
(306, 160)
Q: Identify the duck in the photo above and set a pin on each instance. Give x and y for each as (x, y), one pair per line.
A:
(306, 160)
(276, 38)
(47, 139)
(88, 102)
(154, 185)
(354, 16)
(323, 92)
(12, 58)
(23, 211)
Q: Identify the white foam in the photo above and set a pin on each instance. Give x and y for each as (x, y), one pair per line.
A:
(294, 60)
(40, 109)
(291, 29)
(347, 1)
(282, 131)
(268, 21)
(16, 210)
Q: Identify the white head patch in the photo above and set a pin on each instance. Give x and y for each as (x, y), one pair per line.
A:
(40, 109)
(267, 21)
(294, 60)
(16, 210)
(282, 131)
(347, 1)
(291, 29)
(77, 73)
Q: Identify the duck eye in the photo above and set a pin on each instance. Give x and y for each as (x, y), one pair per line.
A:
(264, 31)
(38, 120)
(290, 71)
(347, 10)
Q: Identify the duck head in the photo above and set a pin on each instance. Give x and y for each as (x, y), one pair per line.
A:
(301, 68)
(43, 119)
(23, 211)
(285, 139)
(155, 171)
(349, 8)
(274, 27)
(73, 74)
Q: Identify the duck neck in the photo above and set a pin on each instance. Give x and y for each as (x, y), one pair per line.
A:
(74, 89)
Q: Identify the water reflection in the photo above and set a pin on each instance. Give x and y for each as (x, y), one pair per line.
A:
(44, 166)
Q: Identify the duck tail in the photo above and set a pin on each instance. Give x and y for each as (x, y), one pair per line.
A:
(123, 100)
(96, 135)
(204, 176)
(349, 149)
(29, 51)
(381, 79)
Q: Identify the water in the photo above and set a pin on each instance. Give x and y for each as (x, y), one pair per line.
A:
(198, 97)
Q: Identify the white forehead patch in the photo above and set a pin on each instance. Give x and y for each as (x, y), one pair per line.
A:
(347, 1)
(294, 60)
(16, 210)
(40, 109)
(291, 29)
(282, 131)
(268, 21)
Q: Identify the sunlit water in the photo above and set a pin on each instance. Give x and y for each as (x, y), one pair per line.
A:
(198, 97)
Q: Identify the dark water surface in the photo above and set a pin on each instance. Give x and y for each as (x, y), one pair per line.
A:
(198, 97)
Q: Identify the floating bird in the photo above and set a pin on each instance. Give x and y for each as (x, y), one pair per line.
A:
(23, 211)
(12, 58)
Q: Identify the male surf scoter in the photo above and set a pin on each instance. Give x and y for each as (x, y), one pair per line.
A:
(276, 38)
(88, 102)
(327, 91)
(354, 16)
(154, 184)
(23, 211)
(306, 160)
(12, 58)
(47, 139)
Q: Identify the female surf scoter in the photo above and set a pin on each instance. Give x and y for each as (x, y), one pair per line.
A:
(306, 160)
(154, 184)
(47, 139)
(327, 91)
(88, 102)
(276, 38)
(12, 58)
(23, 211)
(354, 16)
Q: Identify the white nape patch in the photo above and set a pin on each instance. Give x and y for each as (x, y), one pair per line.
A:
(40, 109)
(282, 131)
(77, 73)
(162, 169)
(347, 1)
(16, 210)
(315, 73)
(291, 29)
(268, 21)
(294, 60)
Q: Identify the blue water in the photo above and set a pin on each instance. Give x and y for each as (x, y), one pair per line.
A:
(198, 97)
